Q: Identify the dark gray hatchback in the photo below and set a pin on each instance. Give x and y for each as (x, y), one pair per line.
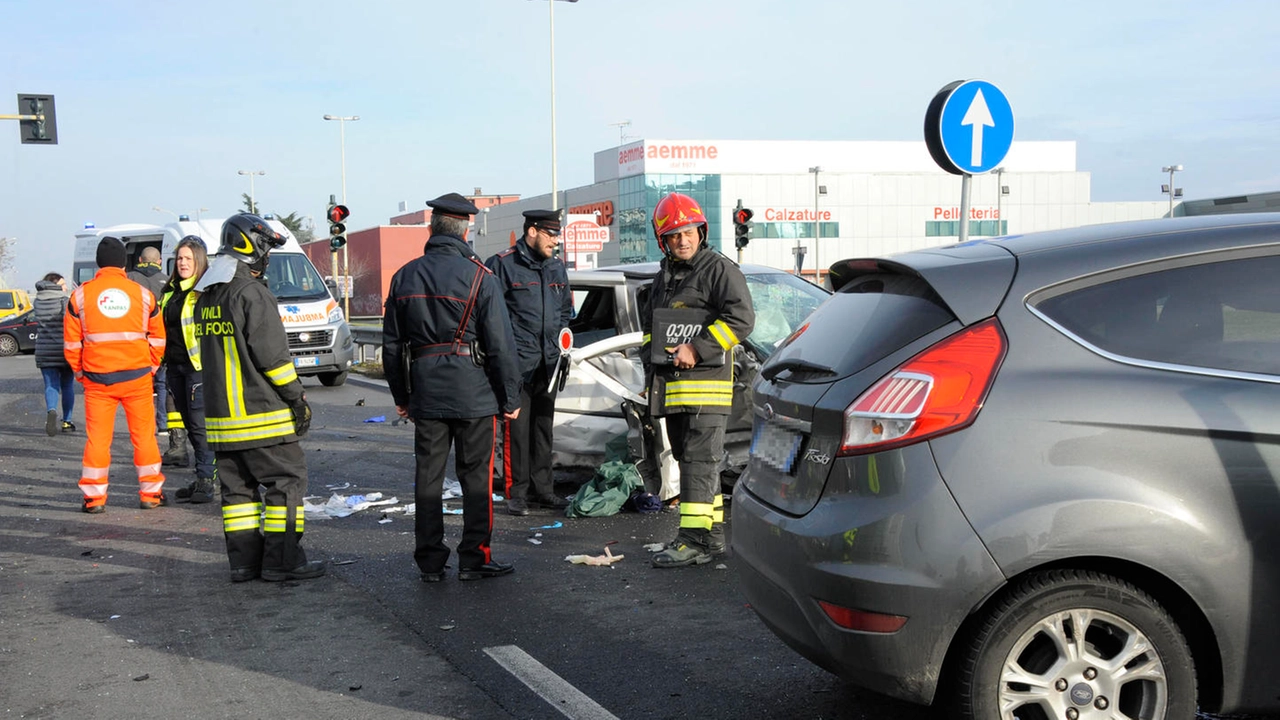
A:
(1032, 477)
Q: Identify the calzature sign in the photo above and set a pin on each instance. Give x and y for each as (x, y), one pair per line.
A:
(790, 215)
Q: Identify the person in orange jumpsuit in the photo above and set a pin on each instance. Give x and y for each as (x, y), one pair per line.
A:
(114, 338)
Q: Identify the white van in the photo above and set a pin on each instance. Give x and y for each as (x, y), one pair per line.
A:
(319, 336)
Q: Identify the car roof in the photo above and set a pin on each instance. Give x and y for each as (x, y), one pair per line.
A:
(973, 278)
(1189, 231)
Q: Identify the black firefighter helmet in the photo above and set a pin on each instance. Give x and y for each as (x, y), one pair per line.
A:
(247, 238)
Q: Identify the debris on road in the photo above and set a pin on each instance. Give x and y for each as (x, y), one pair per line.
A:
(608, 558)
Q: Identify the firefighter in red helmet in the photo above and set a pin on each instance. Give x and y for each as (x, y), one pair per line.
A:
(699, 310)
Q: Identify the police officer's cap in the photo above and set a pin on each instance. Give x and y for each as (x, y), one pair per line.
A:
(453, 204)
(547, 220)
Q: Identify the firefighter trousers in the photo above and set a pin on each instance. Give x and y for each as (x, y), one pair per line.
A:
(262, 518)
(100, 403)
(526, 456)
(472, 439)
(697, 443)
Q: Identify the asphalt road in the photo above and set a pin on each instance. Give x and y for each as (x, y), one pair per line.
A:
(130, 613)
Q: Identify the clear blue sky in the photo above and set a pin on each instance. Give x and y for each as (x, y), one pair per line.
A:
(159, 104)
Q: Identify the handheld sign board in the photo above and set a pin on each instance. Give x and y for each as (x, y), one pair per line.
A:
(677, 326)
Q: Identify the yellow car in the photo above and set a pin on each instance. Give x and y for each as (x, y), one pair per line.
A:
(14, 302)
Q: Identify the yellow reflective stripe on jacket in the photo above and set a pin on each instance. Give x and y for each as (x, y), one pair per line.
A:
(647, 337)
(231, 375)
(282, 375)
(723, 334)
(258, 426)
(699, 392)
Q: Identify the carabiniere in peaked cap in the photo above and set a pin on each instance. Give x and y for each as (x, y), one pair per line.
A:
(548, 220)
(453, 204)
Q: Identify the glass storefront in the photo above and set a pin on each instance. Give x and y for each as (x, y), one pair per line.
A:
(977, 228)
(637, 196)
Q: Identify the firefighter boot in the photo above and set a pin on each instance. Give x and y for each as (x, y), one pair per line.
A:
(715, 540)
(176, 455)
(686, 549)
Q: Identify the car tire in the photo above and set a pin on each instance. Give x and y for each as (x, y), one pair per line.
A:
(8, 345)
(332, 379)
(1025, 635)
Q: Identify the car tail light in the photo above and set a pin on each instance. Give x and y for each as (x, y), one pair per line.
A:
(936, 392)
(862, 620)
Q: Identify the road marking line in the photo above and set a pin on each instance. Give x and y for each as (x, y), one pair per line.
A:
(549, 686)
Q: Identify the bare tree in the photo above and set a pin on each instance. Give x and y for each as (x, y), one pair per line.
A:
(8, 254)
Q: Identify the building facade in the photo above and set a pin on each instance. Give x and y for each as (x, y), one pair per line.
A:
(823, 201)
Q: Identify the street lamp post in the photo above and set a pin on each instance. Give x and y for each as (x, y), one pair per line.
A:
(554, 198)
(157, 208)
(253, 202)
(342, 135)
(1170, 189)
(817, 226)
(1001, 191)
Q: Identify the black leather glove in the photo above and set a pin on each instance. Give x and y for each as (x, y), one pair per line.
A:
(301, 416)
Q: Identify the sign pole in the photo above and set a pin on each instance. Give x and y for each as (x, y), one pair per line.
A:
(965, 183)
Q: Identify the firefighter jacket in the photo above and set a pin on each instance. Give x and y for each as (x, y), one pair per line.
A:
(539, 303)
(112, 332)
(178, 306)
(431, 368)
(249, 380)
(707, 281)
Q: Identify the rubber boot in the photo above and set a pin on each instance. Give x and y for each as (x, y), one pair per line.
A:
(176, 455)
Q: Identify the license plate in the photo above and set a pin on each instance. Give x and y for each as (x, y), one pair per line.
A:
(306, 361)
(775, 446)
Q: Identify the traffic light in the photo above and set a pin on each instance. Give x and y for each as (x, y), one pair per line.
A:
(42, 128)
(337, 227)
(742, 226)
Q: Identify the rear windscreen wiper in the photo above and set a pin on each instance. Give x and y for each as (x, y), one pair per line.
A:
(793, 364)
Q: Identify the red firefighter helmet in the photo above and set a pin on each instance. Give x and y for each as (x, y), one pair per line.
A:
(677, 211)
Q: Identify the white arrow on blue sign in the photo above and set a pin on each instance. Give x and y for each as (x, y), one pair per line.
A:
(974, 128)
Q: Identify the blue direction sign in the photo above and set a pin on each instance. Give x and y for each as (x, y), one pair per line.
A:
(969, 127)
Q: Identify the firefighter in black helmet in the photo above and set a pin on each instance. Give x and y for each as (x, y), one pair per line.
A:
(255, 409)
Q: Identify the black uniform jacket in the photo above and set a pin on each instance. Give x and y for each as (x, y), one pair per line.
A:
(427, 371)
(708, 281)
(539, 303)
(249, 379)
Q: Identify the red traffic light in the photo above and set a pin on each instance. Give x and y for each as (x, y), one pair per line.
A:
(338, 213)
(742, 216)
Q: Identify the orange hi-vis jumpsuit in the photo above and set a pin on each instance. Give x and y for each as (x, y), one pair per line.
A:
(113, 336)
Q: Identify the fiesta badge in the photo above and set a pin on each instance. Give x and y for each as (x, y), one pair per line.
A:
(113, 302)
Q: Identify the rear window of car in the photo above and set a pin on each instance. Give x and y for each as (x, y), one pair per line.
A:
(1218, 315)
(6, 301)
(869, 319)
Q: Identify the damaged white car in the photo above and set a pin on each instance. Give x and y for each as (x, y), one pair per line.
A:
(606, 378)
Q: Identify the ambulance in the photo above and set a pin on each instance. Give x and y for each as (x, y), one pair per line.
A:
(319, 336)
